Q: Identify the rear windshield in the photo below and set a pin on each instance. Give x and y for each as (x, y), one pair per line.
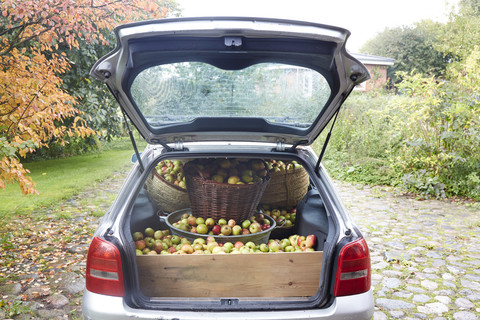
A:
(181, 92)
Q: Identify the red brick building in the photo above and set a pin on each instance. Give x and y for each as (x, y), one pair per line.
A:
(377, 67)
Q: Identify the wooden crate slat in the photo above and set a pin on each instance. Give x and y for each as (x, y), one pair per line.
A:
(230, 275)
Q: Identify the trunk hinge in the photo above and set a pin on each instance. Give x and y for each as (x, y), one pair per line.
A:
(178, 146)
(280, 146)
(134, 144)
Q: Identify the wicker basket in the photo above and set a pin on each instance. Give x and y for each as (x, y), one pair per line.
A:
(168, 196)
(222, 200)
(286, 188)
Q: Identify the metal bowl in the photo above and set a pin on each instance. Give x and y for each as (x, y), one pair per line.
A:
(257, 238)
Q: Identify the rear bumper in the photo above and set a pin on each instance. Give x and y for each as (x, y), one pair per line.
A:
(355, 307)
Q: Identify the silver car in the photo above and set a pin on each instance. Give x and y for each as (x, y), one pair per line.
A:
(230, 105)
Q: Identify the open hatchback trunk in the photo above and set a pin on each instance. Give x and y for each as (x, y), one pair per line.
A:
(229, 107)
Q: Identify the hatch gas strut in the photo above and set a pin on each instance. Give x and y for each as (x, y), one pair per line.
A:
(142, 168)
(327, 139)
(317, 166)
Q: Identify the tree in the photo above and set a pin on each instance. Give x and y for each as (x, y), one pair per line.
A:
(412, 47)
(34, 108)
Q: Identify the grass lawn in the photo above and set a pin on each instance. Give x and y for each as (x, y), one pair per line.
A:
(60, 179)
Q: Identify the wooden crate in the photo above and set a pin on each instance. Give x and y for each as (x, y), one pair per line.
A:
(294, 274)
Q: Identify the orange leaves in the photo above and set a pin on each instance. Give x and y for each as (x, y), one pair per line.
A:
(34, 108)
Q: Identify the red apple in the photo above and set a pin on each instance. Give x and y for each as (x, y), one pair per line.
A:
(140, 244)
(216, 229)
(299, 240)
(238, 244)
(311, 241)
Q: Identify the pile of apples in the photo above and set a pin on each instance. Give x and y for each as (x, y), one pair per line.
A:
(281, 214)
(153, 242)
(279, 165)
(222, 227)
(172, 171)
(232, 171)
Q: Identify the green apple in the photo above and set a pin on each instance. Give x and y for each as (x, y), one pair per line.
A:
(236, 230)
(246, 224)
(137, 236)
(202, 229)
(149, 232)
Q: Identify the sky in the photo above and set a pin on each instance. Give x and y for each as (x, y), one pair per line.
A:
(364, 18)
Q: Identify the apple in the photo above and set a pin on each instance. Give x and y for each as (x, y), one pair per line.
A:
(225, 230)
(150, 242)
(149, 232)
(233, 180)
(199, 240)
(175, 239)
(265, 227)
(137, 236)
(216, 229)
(293, 240)
(284, 243)
(191, 220)
(299, 240)
(211, 245)
(245, 231)
(250, 245)
(199, 220)
(158, 234)
(140, 244)
(246, 224)
(138, 252)
(263, 247)
(236, 230)
(228, 246)
(197, 246)
(274, 246)
(222, 222)
(159, 246)
(202, 229)
(210, 222)
(311, 241)
(218, 250)
(210, 239)
(238, 244)
(187, 248)
(255, 227)
(152, 252)
(171, 250)
(231, 223)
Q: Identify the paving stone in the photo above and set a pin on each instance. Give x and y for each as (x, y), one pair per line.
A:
(392, 283)
(10, 289)
(429, 285)
(463, 303)
(378, 315)
(392, 304)
(464, 315)
(433, 308)
(421, 298)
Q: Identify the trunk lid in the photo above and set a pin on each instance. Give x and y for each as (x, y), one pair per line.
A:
(230, 79)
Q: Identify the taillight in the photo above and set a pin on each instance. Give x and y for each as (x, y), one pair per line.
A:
(104, 269)
(353, 270)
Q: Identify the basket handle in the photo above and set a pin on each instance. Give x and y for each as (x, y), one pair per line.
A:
(280, 225)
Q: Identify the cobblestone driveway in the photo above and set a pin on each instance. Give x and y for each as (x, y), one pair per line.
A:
(425, 257)
(425, 254)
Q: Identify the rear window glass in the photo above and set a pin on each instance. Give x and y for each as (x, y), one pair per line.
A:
(181, 92)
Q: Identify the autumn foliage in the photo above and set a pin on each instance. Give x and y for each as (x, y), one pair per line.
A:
(34, 108)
